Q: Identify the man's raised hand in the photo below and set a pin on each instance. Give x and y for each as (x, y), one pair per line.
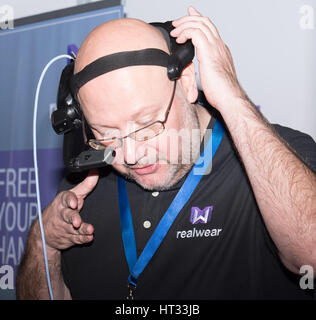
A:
(63, 225)
(217, 72)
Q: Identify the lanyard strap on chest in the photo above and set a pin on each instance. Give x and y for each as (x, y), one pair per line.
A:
(136, 266)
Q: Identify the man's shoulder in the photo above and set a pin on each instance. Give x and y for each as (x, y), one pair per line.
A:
(291, 135)
(302, 143)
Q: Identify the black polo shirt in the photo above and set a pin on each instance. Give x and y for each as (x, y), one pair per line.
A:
(226, 254)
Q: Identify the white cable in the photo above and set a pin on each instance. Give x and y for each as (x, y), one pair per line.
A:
(36, 168)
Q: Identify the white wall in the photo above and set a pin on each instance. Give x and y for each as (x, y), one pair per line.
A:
(273, 43)
(274, 55)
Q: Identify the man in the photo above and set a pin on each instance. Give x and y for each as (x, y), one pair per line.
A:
(250, 223)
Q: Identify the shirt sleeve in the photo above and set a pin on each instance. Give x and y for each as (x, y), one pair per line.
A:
(301, 143)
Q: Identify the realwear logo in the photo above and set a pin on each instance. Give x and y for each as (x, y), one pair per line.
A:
(199, 216)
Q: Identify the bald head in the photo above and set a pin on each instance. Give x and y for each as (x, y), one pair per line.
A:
(116, 36)
(127, 89)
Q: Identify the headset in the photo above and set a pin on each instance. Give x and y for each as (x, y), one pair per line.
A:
(68, 119)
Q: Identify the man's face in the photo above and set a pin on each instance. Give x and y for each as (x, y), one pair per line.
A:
(126, 100)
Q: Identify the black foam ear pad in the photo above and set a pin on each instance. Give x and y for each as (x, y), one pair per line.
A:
(180, 54)
(64, 86)
(68, 113)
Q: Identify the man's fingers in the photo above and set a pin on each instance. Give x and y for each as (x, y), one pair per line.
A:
(72, 217)
(86, 229)
(81, 239)
(63, 223)
(69, 200)
(193, 25)
(197, 18)
(193, 12)
(74, 224)
(198, 37)
(87, 185)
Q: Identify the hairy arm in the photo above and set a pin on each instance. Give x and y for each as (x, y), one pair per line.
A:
(31, 277)
(284, 187)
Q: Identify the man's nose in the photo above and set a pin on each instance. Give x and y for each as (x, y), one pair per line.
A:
(133, 152)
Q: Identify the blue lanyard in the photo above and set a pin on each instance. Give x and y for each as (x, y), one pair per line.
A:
(136, 266)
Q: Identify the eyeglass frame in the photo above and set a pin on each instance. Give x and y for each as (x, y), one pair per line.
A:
(133, 133)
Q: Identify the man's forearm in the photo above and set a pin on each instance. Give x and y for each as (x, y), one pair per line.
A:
(31, 278)
(284, 187)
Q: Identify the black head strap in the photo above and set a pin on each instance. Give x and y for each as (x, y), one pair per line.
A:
(115, 61)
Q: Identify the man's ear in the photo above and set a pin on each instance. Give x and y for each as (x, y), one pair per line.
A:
(188, 83)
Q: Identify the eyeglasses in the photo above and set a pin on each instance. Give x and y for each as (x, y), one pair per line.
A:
(143, 134)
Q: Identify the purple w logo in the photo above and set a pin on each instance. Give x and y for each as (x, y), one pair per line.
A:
(201, 216)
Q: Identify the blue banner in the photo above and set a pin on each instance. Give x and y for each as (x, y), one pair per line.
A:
(24, 52)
